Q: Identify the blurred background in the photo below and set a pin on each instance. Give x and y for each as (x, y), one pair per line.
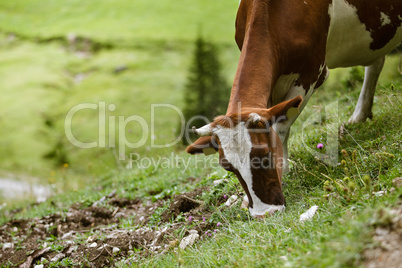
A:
(55, 55)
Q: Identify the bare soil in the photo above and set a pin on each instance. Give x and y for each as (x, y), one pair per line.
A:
(94, 236)
(115, 229)
(388, 237)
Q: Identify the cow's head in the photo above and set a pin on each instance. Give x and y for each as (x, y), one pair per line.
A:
(249, 147)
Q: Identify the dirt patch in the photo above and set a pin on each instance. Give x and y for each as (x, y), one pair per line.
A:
(183, 203)
(111, 229)
(388, 238)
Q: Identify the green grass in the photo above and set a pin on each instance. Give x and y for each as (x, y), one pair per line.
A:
(42, 82)
(46, 75)
(47, 92)
(335, 237)
(120, 20)
(343, 227)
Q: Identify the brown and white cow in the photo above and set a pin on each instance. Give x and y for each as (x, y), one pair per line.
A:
(287, 48)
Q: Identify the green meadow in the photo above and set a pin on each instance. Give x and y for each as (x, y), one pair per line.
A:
(131, 59)
(59, 55)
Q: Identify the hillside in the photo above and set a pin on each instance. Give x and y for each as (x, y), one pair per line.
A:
(139, 217)
(119, 59)
(56, 56)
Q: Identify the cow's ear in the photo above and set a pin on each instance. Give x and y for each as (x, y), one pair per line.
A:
(286, 109)
(206, 145)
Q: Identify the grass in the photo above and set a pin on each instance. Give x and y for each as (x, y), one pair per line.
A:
(154, 56)
(343, 228)
(336, 237)
(121, 20)
(59, 74)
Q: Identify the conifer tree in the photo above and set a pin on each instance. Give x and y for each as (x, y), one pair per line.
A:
(206, 92)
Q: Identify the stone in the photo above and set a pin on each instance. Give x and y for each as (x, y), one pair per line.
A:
(93, 245)
(189, 240)
(7, 246)
(309, 214)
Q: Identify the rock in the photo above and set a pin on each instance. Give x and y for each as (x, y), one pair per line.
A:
(217, 182)
(93, 245)
(67, 235)
(380, 193)
(231, 200)
(308, 214)
(116, 250)
(189, 240)
(96, 203)
(71, 249)
(7, 246)
(120, 215)
(58, 257)
(156, 248)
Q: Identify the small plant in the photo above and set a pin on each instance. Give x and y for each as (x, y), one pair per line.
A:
(155, 219)
(56, 247)
(65, 262)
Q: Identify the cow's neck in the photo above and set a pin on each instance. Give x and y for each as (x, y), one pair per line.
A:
(258, 65)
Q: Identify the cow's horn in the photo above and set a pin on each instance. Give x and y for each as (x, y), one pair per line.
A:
(254, 118)
(203, 131)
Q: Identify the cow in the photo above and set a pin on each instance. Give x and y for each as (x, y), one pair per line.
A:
(287, 49)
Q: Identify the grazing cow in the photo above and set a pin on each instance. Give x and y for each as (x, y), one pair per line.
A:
(287, 48)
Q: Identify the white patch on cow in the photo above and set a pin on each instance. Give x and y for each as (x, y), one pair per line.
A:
(385, 20)
(245, 202)
(282, 129)
(236, 145)
(364, 104)
(282, 87)
(245, 199)
(348, 42)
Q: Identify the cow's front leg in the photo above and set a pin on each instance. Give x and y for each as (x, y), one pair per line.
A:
(365, 102)
(282, 130)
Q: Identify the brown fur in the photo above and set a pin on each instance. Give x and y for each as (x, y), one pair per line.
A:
(278, 38)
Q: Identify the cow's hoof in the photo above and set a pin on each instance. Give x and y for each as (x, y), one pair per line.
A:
(356, 121)
(360, 118)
